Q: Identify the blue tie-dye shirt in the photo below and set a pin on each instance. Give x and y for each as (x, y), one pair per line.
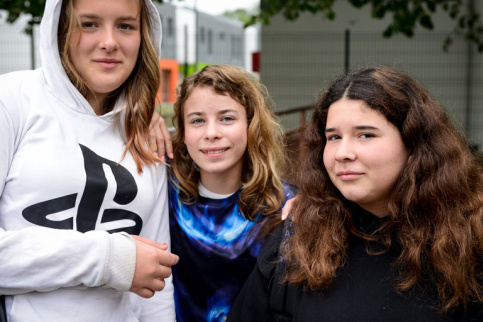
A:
(217, 247)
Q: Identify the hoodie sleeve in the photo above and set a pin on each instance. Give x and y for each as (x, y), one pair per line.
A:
(43, 259)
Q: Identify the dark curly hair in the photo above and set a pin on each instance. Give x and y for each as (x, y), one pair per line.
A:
(435, 207)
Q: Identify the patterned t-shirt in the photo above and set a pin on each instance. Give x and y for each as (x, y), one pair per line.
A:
(217, 247)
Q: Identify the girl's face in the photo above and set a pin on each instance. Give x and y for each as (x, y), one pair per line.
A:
(364, 155)
(216, 137)
(105, 48)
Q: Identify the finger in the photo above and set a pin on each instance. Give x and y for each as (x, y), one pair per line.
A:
(152, 139)
(146, 293)
(159, 141)
(167, 143)
(158, 284)
(168, 259)
(149, 242)
(163, 272)
(287, 208)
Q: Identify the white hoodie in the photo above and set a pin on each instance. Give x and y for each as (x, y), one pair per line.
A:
(62, 189)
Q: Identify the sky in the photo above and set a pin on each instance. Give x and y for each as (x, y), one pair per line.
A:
(217, 7)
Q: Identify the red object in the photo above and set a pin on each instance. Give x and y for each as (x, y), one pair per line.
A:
(256, 61)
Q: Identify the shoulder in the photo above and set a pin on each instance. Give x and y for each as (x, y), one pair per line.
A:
(270, 255)
(19, 80)
(17, 88)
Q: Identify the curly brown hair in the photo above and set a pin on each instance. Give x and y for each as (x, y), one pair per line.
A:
(262, 189)
(435, 207)
(139, 90)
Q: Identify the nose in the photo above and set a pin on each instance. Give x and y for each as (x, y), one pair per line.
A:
(212, 131)
(108, 41)
(345, 151)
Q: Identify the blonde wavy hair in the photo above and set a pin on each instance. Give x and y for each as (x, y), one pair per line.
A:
(139, 90)
(262, 189)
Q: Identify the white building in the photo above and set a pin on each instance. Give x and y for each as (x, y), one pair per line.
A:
(220, 40)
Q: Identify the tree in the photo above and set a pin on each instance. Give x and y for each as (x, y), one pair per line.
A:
(35, 8)
(243, 15)
(15, 8)
(406, 15)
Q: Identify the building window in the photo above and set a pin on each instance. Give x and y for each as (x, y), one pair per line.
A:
(170, 27)
(202, 35)
(233, 46)
(210, 42)
(222, 36)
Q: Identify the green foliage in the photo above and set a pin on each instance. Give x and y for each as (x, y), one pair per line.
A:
(242, 15)
(35, 8)
(15, 8)
(406, 15)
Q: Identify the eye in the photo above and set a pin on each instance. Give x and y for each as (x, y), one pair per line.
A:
(227, 118)
(333, 137)
(197, 121)
(366, 135)
(88, 25)
(125, 27)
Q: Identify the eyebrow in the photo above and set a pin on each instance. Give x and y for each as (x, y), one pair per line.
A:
(359, 127)
(94, 16)
(228, 111)
(194, 114)
(219, 113)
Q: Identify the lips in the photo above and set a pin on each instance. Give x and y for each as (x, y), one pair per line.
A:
(214, 150)
(349, 175)
(107, 62)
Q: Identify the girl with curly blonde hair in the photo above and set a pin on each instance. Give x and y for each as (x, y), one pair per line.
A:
(225, 183)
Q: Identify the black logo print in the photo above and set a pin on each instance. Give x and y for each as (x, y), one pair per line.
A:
(92, 199)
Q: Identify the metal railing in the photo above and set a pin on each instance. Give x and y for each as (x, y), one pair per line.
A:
(295, 136)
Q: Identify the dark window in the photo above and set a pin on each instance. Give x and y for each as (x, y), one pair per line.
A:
(170, 27)
(202, 35)
(210, 42)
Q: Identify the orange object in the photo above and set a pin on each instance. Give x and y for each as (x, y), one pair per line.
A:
(169, 81)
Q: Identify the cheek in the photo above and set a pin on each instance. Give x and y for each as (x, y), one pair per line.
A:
(188, 138)
(328, 158)
(137, 49)
(245, 141)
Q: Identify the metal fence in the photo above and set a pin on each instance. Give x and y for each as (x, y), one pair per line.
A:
(297, 67)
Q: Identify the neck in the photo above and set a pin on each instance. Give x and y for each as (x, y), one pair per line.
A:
(97, 102)
(380, 212)
(221, 184)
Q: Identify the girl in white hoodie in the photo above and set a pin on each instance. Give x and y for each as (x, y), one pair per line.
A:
(78, 185)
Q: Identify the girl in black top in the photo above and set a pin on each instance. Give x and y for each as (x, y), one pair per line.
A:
(388, 222)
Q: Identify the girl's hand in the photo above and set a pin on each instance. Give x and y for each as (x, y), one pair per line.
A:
(159, 138)
(287, 208)
(153, 265)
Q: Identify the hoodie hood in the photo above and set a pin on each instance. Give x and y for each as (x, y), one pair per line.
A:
(56, 78)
